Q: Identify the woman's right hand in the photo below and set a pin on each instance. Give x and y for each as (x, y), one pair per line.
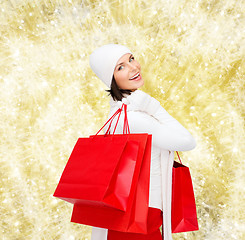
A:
(141, 101)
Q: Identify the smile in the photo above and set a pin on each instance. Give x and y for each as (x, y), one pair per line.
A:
(135, 77)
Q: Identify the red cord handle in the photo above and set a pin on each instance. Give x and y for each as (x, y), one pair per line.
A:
(178, 156)
(111, 119)
(125, 124)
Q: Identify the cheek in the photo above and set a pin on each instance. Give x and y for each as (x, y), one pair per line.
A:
(137, 65)
(120, 76)
(121, 79)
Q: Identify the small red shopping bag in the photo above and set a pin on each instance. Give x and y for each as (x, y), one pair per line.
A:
(184, 215)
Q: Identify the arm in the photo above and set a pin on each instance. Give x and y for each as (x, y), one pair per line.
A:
(146, 115)
(170, 135)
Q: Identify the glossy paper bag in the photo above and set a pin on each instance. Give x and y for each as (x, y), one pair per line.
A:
(93, 171)
(134, 219)
(184, 216)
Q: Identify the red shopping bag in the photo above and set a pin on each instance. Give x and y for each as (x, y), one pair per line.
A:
(184, 215)
(91, 172)
(134, 219)
(102, 175)
(94, 171)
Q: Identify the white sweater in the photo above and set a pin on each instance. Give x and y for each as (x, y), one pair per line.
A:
(145, 115)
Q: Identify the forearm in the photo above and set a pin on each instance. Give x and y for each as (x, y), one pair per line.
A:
(146, 115)
(167, 133)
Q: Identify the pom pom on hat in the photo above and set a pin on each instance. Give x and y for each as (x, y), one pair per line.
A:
(103, 61)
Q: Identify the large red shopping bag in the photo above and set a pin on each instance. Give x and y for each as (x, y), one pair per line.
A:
(106, 174)
(100, 171)
(91, 172)
(184, 215)
(134, 219)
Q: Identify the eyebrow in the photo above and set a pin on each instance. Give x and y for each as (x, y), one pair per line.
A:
(123, 62)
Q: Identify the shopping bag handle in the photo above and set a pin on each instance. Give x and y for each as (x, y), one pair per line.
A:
(178, 156)
(110, 119)
(125, 124)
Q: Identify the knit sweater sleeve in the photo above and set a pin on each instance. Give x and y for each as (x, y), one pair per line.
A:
(167, 133)
(146, 115)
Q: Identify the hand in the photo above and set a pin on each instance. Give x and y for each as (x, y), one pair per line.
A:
(141, 101)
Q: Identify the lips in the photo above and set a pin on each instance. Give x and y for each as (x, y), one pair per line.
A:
(137, 76)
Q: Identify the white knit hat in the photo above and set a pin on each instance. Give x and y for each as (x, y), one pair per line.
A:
(103, 61)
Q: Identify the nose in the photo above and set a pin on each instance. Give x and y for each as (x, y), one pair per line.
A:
(132, 66)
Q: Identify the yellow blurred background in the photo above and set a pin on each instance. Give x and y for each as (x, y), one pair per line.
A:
(192, 58)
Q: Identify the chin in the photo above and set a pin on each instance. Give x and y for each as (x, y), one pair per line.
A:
(140, 84)
(135, 86)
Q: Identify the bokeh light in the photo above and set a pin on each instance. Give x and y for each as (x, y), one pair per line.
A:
(192, 57)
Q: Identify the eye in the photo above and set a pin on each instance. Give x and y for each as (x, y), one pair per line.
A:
(131, 59)
(120, 68)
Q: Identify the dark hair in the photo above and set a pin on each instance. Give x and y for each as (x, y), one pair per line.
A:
(116, 93)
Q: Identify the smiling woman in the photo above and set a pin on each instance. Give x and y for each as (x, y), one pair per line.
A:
(115, 65)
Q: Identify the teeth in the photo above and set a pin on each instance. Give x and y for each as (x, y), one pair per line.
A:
(135, 76)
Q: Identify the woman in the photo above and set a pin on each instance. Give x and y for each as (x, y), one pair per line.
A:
(115, 65)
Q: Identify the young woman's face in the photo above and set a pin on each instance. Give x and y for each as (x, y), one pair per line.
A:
(127, 73)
